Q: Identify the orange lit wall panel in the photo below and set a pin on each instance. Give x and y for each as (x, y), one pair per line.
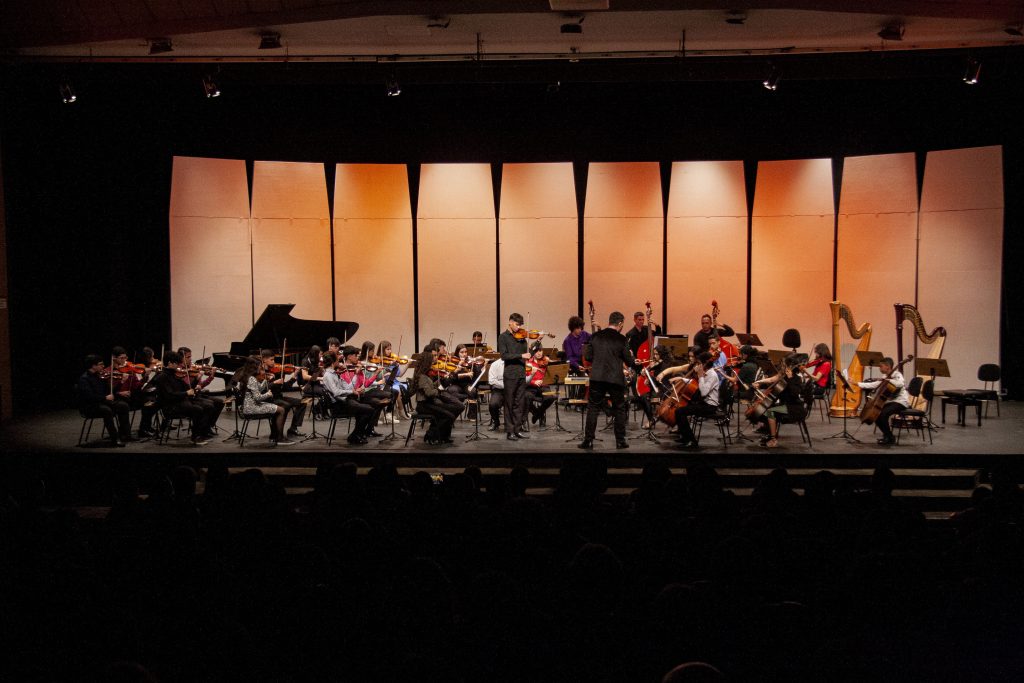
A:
(791, 251)
(373, 252)
(707, 244)
(961, 256)
(211, 279)
(538, 245)
(456, 251)
(877, 246)
(291, 238)
(623, 238)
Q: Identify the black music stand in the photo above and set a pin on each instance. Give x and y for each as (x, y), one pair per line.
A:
(933, 367)
(870, 359)
(844, 386)
(748, 339)
(555, 376)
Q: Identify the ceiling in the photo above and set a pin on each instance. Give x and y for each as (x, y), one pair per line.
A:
(480, 30)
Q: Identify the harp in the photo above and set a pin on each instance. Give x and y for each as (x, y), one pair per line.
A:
(845, 403)
(936, 338)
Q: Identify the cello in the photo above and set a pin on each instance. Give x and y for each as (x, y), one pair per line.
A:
(882, 393)
(643, 354)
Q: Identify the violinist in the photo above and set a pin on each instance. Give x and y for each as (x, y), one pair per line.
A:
(309, 373)
(608, 352)
(573, 344)
(790, 402)
(460, 380)
(429, 399)
(897, 404)
(536, 369)
(395, 367)
(95, 399)
(199, 378)
(637, 335)
(342, 384)
(278, 384)
(747, 372)
(661, 359)
(259, 399)
(373, 376)
(131, 388)
(334, 345)
(705, 403)
(177, 398)
(820, 368)
(513, 352)
(707, 331)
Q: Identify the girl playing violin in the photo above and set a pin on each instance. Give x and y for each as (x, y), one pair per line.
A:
(429, 399)
(536, 369)
(259, 399)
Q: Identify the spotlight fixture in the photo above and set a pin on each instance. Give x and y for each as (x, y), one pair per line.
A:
(1015, 30)
(573, 27)
(893, 31)
(210, 86)
(439, 22)
(736, 17)
(771, 81)
(67, 93)
(973, 71)
(391, 86)
(269, 40)
(160, 45)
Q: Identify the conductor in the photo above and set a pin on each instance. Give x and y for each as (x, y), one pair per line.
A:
(608, 354)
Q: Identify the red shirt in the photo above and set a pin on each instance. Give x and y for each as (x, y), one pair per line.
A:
(824, 368)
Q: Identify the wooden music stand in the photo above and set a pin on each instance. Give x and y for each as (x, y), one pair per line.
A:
(933, 367)
(555, 376)
(678, 344)
(748, 339)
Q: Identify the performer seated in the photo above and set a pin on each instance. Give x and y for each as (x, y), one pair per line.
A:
(333, 344)
(310, 373)
(661, 359)
(95, 399)
(374, 376)
(536, 369)
(679, 368)
(573, 344)
(129, 386)
(899, 403)
(495, 379)
(747, 372)
(278, 383)
(429, 399)
(199, 378)
(258, 399)
(702, 338)
(342, 384)
(820, 368)
(790, 402)
(704, 403)
(176, 398)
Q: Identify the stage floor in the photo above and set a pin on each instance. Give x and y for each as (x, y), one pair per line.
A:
(57, 432)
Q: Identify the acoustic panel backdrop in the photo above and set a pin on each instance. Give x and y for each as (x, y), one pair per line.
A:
(211, 275)
(538, 238)
(707, 244)
(373, 252)
(791, 251)
(623, 238)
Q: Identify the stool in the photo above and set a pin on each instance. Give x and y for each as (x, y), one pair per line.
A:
(962, 402)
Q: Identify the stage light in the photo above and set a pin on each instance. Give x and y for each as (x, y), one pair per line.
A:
(973, 71)
(1016, 30)
(391, 86)
(893, 31)
(67, 93)
(573, 27)
(736, 17)
(210, 86)
(771, 81)
(270, 40)
(160, 45)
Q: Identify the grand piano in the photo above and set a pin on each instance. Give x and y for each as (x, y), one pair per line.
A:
(274, 326)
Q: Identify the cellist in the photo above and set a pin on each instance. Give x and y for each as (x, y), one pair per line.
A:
(897, 404)
(705, 403)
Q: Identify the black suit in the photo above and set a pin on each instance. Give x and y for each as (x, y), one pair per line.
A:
(607, 352)
(514, 375)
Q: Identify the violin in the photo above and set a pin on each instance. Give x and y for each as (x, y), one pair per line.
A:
(522, 333)
(276, 368)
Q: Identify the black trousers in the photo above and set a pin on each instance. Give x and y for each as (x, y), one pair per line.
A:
(515, 404)
(683, 414)
(495, 401)
(363, 413)
(444, 414)
(107, 412)
(600, 392)
(201, 412)
(212, 406)
(295, 405)
(888, 410)
(537, 401)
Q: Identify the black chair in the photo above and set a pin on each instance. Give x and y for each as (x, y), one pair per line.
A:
(914, 418)
(721, 418)
(335, 412)
(83, 435)
(170, 419)
(989, 374)
(414, 418)
(807, 394)
(823, 397)
(791, 338)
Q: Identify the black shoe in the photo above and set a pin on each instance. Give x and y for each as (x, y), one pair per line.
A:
(296, 433)
(372, 432)
(534, 418)
(886, 441)
(586, 444)
(522, 435)
(356, 440)
(512, 437)
(494, 428)
(200, 440)
(622, 444)
(146, 434)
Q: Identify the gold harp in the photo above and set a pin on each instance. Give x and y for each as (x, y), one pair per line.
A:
(937, 338)
(845, 403)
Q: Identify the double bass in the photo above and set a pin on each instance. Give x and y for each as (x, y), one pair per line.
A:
(643, 354)
(728, 348)
(882, 393)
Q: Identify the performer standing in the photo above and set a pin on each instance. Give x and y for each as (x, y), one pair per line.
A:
(637, 335)
(897, 404)
(513, 352)
(608, 354)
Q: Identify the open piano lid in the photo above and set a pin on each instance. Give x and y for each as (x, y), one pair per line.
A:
(275, 325)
